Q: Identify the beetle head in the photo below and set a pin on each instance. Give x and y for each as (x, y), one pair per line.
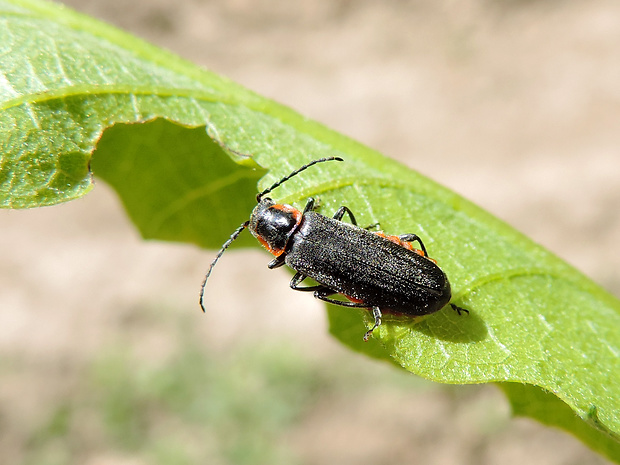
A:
(273, 224)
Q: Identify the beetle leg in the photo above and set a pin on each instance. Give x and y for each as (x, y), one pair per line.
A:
(309, 205)
(277, 262)
(340, 213)
(459, 310)
(297, 280)
(376, 313)
(323, 294)
(413, 238)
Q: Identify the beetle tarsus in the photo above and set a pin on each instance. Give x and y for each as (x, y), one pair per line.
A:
(459, 310)
(373, 226)
(376, 313)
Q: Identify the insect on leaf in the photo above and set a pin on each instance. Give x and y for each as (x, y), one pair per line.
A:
(534, 321)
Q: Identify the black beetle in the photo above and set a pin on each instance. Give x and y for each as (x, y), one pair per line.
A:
(374, 271)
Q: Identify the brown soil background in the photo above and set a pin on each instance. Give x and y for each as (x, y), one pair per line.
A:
(515, 105)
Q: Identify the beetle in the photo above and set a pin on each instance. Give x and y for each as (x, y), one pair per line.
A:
(371, 269)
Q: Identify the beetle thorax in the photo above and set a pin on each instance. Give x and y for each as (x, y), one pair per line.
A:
(274, 224)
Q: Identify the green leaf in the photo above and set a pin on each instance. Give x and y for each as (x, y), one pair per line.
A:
(529, 401)
(534, 320)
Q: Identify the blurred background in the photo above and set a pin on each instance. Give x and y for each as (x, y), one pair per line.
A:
(105, 357)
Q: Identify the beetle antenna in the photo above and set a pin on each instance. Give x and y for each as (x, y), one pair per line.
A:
(294, 173)
(230, 240)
